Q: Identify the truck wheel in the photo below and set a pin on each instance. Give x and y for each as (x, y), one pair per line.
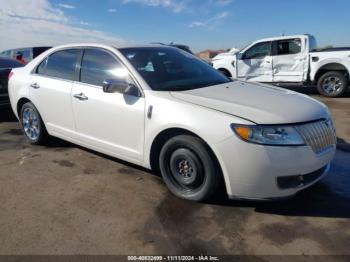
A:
(225, 72)
(32, 125)
(332, 84)
(188, 168)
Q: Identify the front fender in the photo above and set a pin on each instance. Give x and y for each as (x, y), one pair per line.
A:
(210, 125)
(227, 66)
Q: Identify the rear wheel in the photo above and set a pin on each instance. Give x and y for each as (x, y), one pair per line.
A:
(32, 125)
(188, 168)
(332, 84)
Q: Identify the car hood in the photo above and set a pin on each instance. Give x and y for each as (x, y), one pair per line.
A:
(260, 103)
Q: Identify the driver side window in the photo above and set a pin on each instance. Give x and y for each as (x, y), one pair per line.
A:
(258, 51)
(98, 65)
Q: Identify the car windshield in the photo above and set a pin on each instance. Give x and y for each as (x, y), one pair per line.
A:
(170, 69)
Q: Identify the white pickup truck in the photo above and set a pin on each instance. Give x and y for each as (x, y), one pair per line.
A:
(289, 60)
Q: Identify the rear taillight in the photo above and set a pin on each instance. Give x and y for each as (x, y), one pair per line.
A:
(10, 75)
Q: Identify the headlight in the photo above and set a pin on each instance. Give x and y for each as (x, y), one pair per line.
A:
(269, 135)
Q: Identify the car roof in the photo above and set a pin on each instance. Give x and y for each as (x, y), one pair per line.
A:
(22, 48)
(282, 37)
(116, 46)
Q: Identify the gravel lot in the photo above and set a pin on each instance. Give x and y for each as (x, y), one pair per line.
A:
(63, 199)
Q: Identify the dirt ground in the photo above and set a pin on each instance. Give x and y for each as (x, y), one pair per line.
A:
(63, 199)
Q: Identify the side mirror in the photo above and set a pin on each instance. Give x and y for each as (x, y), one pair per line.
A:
(120, 86)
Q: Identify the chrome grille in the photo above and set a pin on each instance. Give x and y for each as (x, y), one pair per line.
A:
(318, 135)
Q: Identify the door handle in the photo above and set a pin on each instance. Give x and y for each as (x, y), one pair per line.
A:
(35, 85)
(81, 97)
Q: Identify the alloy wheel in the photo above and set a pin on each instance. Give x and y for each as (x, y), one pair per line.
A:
(332, 84)
(31, 125)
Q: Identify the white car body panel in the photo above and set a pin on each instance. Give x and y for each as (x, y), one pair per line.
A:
(258, 177)
(257, 70)
(53, 92)
(121, 133)
(292, 68)
(280, 106)
(126, 128)
(329, 58)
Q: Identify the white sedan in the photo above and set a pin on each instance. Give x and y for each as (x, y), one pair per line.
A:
(164, 109)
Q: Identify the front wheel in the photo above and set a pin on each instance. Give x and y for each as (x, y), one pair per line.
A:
(188, 168)
(332, 84)
(225, 72)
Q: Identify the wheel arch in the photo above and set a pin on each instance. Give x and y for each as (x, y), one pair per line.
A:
(331, 66)
(225, 65)
(19, 105)
(21, 102)
(225, 71)
(163, 136)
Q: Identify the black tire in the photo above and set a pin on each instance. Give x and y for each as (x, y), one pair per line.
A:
(195, 180)
(36, 125)
(225, 72)
(332, 84)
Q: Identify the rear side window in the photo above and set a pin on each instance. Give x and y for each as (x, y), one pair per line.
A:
(6, 53)
(97, 66)
(289, 47)
(27, 54)
(61, 64)
(258, 51)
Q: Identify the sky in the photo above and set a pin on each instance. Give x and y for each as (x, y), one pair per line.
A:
(201, 24)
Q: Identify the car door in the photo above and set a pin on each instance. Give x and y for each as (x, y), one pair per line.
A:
(50, 91)
(255, 64)
(109, 122)
(290, 61)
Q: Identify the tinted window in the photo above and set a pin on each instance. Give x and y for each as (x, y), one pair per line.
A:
(258, 51)
(41, 69)
(98, 66)
(170, 69)
(38, 50)
(312, 43)
(60, 64)
(6, 53)
(27, 54)
(288, 47)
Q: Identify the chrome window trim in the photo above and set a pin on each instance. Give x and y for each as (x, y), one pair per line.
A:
(115, 56)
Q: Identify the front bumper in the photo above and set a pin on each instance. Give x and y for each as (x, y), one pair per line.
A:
(255, 172)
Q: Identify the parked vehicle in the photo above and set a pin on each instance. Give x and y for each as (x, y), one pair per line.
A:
(290, 60)
(185, 48)
(28, 53)
(164, 109)
(6, 65)
(182, 47)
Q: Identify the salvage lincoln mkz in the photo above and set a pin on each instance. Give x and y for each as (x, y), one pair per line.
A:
(162, 108)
